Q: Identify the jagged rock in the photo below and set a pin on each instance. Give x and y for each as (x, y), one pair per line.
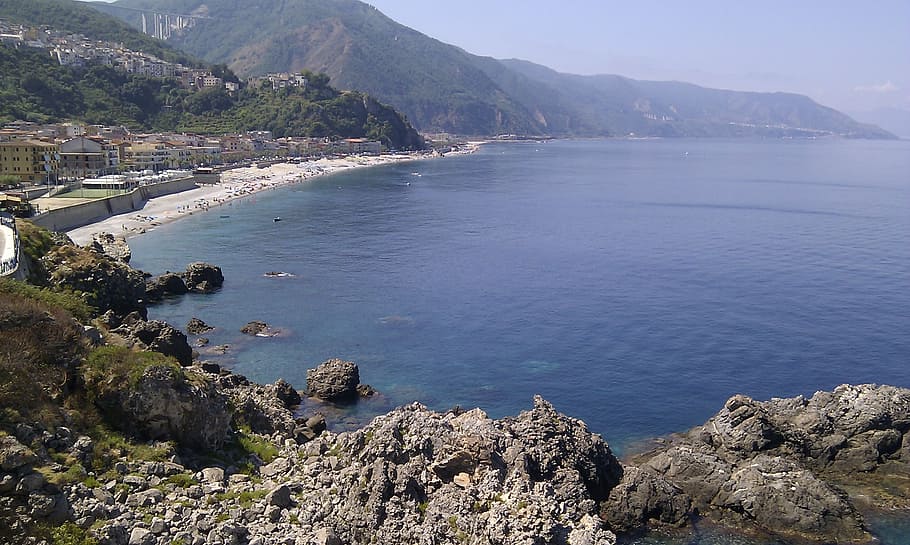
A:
(107, 284)
(255, 327)
(333, 380)
(286, 393)
(203, 277)
(197, 327)
(764, 463)
(14, 454)
(280, 497)
(641, 498)
(258, 407)
(164, 405)
(114, 247)
(316, 423)
(326, 536)
(160, 337)
(165, 285)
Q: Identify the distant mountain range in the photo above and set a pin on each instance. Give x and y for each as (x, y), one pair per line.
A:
(443, 88)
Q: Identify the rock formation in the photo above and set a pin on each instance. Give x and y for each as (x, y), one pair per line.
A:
(160, 337)
(114, 247)
(165, 405)
(333, 380)
(197, 327)
(776, 464)
(108, 284)
(165, 285)
(203, 277)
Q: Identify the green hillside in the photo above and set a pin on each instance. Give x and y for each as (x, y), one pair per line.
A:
(80, 18)
(443, 88)
(33, 86)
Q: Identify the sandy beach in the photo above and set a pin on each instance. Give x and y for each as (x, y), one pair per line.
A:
(235, 183)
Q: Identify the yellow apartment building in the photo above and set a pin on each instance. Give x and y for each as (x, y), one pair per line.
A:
(32, 161)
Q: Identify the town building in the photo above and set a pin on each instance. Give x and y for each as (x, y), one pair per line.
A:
(31, 161)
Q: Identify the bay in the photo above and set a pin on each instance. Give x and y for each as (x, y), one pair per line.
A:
(635, 284)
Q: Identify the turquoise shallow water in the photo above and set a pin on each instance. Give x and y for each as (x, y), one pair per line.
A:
(635, 284)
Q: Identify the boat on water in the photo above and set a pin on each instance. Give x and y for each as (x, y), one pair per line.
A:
(276, 218)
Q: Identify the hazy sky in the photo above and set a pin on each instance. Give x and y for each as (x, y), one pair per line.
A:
(852, 55)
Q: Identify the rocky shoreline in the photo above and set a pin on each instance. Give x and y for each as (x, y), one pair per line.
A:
(217, 459)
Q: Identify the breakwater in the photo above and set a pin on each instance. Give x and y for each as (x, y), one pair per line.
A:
(70, 217)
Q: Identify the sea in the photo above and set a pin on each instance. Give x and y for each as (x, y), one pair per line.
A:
(635, 284)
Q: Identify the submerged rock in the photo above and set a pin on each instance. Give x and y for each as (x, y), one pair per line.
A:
(197, 327)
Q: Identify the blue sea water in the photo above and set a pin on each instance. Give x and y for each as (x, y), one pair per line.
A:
(636, 284)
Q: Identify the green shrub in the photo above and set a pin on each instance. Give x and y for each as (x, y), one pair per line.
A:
(70, 534)
(68, 301)
(115, 367)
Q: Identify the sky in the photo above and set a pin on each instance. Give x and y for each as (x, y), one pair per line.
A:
(850, 55)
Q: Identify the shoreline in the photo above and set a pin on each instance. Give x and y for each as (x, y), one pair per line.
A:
(235, 184)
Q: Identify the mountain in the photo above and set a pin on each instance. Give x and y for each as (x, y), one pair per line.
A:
(443, 88)
(79, 18)
(35, 87)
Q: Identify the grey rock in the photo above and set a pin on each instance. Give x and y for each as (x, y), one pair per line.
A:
(333, 380)
(197, 327)
(286, 393)
(165, 285)
(280, 497)
(642, 498)
(141, 536)
(161, 337)
(14, 454)
(326, 536)
(114, 247)
(212, 475)
(203, 277)
(164, 406)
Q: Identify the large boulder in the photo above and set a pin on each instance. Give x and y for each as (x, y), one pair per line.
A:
(334, 380)
(163, 403)
(114, 247)
(106, 284)
(643, 498)
(203, 277)
(165, 285)
(160, 337)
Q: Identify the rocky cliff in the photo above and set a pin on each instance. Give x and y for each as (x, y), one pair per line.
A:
(121, 446)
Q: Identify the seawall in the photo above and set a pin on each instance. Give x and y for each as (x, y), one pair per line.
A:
(70, 217)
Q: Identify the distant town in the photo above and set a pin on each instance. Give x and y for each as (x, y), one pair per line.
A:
(35, 154)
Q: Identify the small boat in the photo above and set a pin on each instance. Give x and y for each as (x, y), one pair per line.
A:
(276, 218)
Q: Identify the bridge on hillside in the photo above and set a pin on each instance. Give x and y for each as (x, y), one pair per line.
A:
(161, 24)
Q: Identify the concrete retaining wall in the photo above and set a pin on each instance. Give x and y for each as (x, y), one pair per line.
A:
(70, 217)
